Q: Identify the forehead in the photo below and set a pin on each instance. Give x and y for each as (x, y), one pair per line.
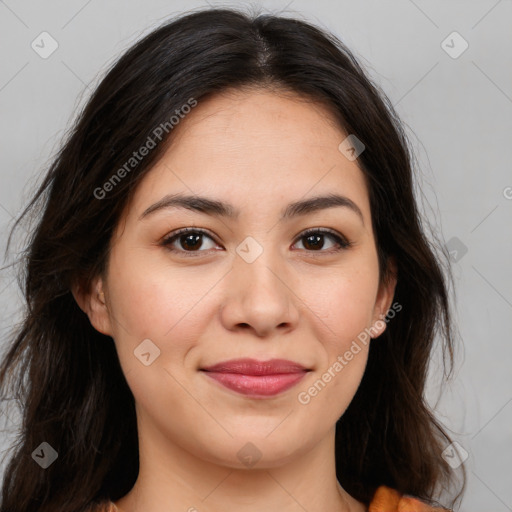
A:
(255, 149)
(255, 116)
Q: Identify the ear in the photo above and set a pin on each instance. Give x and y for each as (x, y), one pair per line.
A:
(93, 303)
(384, 299)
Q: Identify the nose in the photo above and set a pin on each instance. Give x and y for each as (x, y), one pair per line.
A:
(260, 297)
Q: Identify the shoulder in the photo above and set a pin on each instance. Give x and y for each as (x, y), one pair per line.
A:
(389, 500)
(384, 500)
(103, 506)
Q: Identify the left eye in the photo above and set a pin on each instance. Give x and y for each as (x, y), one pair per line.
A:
(314, 237)
(190, 240)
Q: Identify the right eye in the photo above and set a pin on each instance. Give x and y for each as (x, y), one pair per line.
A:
(190, 240)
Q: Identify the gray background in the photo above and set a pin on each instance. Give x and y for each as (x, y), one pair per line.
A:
(458, 113)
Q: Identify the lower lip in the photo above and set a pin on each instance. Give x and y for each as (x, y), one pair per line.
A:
(257, 385)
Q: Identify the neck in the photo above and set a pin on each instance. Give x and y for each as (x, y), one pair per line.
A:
(174, 478)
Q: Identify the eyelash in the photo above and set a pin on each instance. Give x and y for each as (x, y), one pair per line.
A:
(342, 242)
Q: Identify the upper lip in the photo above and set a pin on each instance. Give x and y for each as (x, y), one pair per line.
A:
(247, 366)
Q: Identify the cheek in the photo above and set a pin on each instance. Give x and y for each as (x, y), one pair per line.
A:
(341, 311)
(341, 317)
(328, 395)
(342, 304)
(161, 303)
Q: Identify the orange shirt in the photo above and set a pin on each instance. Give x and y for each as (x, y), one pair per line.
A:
(384, 500)
(389, 500)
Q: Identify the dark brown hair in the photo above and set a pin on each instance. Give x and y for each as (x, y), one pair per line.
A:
(67, 376)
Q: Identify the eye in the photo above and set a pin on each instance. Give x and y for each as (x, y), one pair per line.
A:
(188, 238)
(314, 240)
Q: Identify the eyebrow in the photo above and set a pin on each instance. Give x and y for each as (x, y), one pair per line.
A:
(220, 209)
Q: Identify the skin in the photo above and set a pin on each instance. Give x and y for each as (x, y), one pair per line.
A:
(258, 150)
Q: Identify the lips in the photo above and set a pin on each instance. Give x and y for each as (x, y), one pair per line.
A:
(253, 367)
(255, 378)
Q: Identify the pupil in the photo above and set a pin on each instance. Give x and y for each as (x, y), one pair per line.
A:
(190, 245)
(316, 244)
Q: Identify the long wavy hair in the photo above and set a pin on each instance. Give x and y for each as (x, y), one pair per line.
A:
(66, 376)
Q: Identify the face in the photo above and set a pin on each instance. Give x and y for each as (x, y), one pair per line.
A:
(261, 280)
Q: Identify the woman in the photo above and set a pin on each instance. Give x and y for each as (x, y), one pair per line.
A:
(231, 298)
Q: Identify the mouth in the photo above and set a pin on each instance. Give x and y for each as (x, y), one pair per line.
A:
(257, 379)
